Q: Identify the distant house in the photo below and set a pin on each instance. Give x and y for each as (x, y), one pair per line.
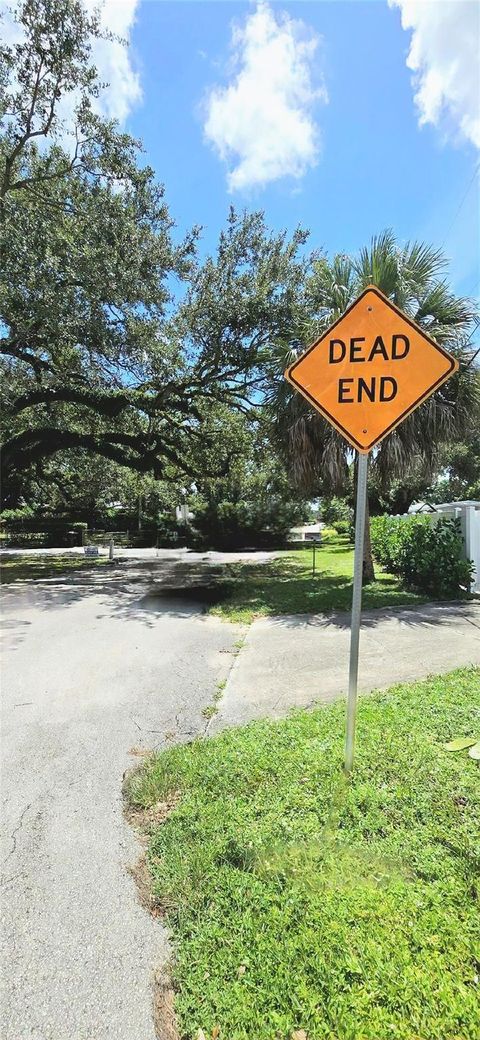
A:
(422, 507)
(306, 533)
(447, 507)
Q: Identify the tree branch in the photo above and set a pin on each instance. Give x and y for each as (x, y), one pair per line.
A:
(23, 354)
(111, 405)
(21, 451)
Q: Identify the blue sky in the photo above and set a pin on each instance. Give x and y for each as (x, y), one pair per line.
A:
(364, 162)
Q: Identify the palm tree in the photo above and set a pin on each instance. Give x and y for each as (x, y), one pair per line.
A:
(412, 277)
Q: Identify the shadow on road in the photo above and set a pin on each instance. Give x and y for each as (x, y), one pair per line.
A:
(144, 590)
(139, 590)
(426, 615)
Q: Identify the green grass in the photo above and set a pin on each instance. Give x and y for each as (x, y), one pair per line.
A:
(21, 568)
(286, 585)
(300, 901)
(211, 709)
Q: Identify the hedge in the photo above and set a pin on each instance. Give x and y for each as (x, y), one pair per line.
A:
(428, 555)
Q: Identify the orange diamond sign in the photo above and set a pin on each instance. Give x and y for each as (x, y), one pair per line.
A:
(370, 370)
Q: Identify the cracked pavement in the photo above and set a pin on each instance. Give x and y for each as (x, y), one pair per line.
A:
(96, 668)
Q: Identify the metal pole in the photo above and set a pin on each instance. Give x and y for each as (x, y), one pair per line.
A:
(313, 563)
(362, 471)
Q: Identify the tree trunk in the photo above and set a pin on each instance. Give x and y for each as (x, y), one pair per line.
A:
(368, 573)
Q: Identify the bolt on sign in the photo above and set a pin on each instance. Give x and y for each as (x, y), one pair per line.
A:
(371, 369)
(365, 375)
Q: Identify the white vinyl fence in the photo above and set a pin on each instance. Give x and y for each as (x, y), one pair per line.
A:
(469, 515)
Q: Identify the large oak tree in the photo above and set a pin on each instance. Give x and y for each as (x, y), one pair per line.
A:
(101, 349)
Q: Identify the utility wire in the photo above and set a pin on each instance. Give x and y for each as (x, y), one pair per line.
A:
(467, 189)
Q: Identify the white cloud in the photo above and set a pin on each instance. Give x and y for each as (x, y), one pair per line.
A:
(261, 123)
(113, 60)
(110, 57)
(11, 32)
(443, 56)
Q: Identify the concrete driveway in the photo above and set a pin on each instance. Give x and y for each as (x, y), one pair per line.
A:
(300, 660)
(95, 668)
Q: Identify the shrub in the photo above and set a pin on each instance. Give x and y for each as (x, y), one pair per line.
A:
(80, 529)
(336, 511)
(16, 516)
(343, 527)
(427, 554)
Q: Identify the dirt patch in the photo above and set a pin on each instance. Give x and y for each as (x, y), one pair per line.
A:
(143, 882)
(164, 1017)
(143, 820)
(140, 874)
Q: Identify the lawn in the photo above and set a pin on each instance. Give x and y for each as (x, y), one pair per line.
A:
(21, 568)
(286, 585)
(299, 901)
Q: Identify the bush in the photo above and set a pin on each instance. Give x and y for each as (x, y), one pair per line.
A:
(16, 516)
(23, 529)
(337, 513)
(428, 555)
(80, 531)
(343, 527)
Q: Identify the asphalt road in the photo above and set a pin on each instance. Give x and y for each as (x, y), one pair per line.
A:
(94, 668)
(97, 667)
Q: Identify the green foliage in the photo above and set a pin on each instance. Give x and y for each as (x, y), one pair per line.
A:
(253, 503)
(343, 527)
(98, 354)
(300, 901)
(460, 468)
(337, 510)
(16, 516)
(397, 494)
(84, 264)
(428, 556)
(258, 521)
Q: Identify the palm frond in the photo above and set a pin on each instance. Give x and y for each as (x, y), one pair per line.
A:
(411, 277)
(422, 263)
(442, 314)
(377, 264)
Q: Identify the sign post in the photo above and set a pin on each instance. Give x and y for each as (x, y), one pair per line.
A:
(362, 473)
(365, 375)
(315, 543)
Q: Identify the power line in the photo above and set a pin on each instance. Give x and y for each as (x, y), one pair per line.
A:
(467, 189)
(473, 286)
